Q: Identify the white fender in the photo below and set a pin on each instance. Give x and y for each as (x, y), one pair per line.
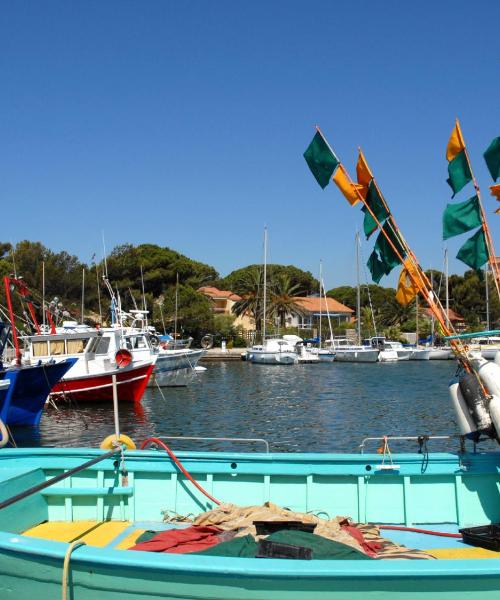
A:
(465, 422)
(489, 373)
(4, 433)
(494, 408)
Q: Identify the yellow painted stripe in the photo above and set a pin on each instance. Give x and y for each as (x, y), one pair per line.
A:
(469, 552)
(93, 533)
(130, 540)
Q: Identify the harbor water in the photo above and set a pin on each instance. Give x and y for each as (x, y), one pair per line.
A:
(301, 408)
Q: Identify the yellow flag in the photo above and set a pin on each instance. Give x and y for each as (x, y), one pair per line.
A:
(346, 186)
(407, 290)
(363, 174)
(456, 143)
(495, 191)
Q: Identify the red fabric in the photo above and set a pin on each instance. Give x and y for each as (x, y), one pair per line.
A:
(180, 541)
(370, 548)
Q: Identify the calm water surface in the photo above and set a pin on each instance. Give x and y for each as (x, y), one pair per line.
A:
(299, 408)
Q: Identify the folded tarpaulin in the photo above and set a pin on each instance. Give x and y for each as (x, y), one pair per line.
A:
(371, 548)
(180, 541)
(322, 548)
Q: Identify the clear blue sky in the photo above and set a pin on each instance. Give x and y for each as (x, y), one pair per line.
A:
(183, 123)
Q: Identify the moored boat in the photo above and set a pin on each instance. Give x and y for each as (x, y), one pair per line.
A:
(74, 536)
(24, 390)
(272, 352)
(346, 351)
(97, 354)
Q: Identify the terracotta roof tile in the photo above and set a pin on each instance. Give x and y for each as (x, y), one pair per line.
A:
(216, 294)
(314, 304)
(453, 316)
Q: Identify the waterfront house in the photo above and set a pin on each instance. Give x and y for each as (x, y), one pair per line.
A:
(312, 307)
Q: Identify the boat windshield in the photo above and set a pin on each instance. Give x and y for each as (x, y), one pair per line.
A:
(136, 342)
(100, 345)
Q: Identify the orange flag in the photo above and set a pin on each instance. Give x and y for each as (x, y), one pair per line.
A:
(346, 185)
(456, 143)
(407, 290)
(495, 191)
(363, 174)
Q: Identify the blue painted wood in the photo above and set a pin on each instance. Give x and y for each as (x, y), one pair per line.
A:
(441, 487)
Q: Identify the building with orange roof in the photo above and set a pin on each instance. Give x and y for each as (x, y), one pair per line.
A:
(222, 304)
(313, 307)
(456, 320)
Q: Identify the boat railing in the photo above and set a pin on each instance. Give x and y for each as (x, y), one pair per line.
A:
(420, 439)
(216, 439)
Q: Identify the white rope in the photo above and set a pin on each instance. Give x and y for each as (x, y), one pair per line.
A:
(67, 557)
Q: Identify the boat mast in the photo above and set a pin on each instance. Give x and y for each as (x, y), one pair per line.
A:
(145, 322)
(432, 319)
(98, 293)
(176, 305)
(265, 287)
(487, 298)
(447, 298)
(358, 291)
(320, 298)
(416, 319)
(83, 293)
(43, 295)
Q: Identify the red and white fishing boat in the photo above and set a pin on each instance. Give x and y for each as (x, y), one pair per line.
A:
(102, 354)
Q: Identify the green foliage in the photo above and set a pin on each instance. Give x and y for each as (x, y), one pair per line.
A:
(303, 280)
(160, 267)
(194, 312)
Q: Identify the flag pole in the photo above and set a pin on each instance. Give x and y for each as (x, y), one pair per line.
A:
(425, 283)
(489, 241)
(437, 310)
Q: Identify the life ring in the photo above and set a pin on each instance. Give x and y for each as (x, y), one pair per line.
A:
(4, 433)
(207, 341)
(109, 442)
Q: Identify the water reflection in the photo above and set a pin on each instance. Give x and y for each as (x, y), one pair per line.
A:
(301, 408)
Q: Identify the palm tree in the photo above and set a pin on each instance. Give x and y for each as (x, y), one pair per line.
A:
(250, 289)
(393, 313)
(282, 298)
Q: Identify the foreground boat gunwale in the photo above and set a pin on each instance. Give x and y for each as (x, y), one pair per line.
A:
(248, 567)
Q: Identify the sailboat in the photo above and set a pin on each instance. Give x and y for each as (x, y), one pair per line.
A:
(272, 351)
(442, 352)
(345, 350)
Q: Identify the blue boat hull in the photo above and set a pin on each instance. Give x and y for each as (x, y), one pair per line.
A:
(23, 401)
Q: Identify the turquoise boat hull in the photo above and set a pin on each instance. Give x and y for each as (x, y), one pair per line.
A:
(423, 490)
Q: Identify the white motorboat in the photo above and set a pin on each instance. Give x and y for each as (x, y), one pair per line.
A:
(420, 354)
(440, 353)
(346, 351)
(488, 346)
(274, 351)
(390, 351)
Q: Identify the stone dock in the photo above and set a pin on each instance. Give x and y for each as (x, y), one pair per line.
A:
(219, 354)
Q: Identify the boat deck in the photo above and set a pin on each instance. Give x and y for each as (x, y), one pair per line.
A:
(121, 535)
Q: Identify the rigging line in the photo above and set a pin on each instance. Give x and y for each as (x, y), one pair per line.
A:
(421, 282)
(486, 230)
(368, 290)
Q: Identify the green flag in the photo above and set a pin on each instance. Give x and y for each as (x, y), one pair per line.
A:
(377, 205)
(459, 172)
(376, 266)
(461, 217)
(387, 255)
(474, 252)
(321, 160)
(492, 158)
